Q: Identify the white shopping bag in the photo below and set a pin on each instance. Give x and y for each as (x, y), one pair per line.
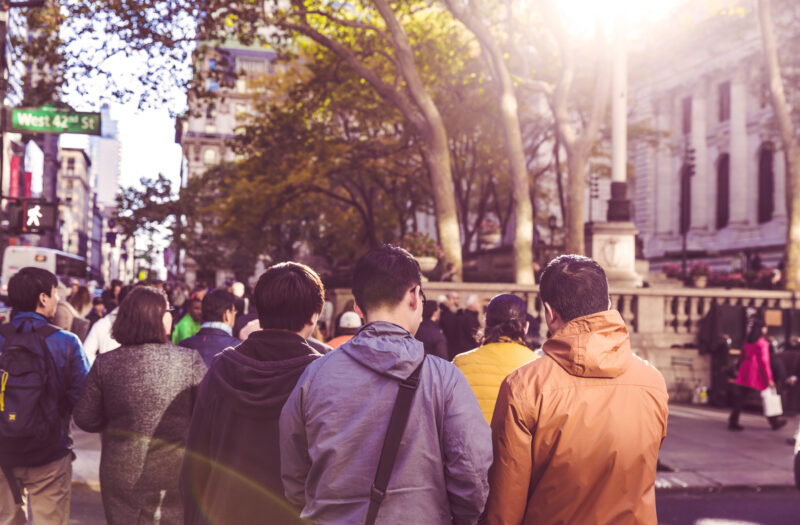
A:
(772, 402)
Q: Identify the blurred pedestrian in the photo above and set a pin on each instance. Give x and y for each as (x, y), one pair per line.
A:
(71, 311)
(216, 332)
(577, 432)
(467, 325)
(231, 471)
(97, 312)
(191, 322)
(100, 339)
(349, 323)
(429, 332)
(448, 321)
(755, 373)
(111, 294)
(335, 423)
(501, 352)
(35, 445)
(140, 397)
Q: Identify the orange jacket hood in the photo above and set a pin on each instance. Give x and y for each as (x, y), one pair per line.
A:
(595, 345)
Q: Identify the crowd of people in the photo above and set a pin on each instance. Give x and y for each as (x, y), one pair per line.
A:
(228, 407)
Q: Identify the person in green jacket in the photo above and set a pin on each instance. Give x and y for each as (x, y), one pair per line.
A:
(190, 324)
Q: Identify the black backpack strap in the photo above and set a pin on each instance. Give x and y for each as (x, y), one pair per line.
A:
(391, 444)
(45, 331)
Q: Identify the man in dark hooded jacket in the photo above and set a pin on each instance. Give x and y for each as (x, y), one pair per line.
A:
(231, 471)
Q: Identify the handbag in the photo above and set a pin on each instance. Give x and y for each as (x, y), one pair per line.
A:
(391, 443)
(772, 402)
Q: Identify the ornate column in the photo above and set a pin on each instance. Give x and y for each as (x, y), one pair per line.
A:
(738, 151)
(700, 195)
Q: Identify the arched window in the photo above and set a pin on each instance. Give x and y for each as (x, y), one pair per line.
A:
(686, 199)
(766, 183)
(723, 191)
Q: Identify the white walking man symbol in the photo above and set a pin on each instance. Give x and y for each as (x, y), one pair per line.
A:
(34, 215)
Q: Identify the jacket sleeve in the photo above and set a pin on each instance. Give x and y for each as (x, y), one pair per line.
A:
(78, 368)
(92, 343)
(763, 360)
(196, 466)
(467, 444)
(510, 475)
(295, 461)
(88, 413)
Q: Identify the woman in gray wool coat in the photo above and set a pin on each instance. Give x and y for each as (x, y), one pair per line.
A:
(140, 397)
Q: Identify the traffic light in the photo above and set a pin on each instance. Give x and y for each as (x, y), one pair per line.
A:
(690, 161)
(32, 216)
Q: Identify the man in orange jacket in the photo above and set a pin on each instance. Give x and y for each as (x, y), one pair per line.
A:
(576, 433)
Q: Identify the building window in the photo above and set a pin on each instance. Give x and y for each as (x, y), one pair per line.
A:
(766, 183)
(212, 64)
(210, 129)
(687, 115)
(723, 191)
(212, 84)
(686, 199)
(724, 101)
(210, 112)
(210, 156)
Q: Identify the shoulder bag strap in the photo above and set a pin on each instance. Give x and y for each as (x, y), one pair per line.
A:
(391, 444)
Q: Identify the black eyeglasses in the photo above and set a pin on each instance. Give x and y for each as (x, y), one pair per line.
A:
(421, 293)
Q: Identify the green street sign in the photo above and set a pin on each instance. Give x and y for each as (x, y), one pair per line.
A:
(50, 120)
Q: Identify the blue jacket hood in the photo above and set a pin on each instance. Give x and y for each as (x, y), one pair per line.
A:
(386, 348)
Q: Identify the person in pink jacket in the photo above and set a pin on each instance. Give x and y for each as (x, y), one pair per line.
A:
(754, 372)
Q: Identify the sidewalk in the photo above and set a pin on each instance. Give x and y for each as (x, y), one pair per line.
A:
(699, 449)
(704, 454)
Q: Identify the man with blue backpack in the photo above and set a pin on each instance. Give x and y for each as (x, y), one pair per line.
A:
(42, 369)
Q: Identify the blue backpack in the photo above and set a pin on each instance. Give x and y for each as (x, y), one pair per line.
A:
(32, 407)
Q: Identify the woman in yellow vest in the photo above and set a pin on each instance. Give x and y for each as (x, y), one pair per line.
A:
(501, 352)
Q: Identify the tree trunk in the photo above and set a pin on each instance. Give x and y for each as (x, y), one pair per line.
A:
(790, 147)
(573, 219)
(520, 186)
(437, 157)
(435, 136)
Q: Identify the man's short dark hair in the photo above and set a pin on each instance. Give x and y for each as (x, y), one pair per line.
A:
(141, 317)
(383, 276)
(574, 286)
(215, 304)
(26, 285)
(287, 296)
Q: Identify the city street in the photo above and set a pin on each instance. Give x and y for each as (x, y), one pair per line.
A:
(742, 507)
(713, 476)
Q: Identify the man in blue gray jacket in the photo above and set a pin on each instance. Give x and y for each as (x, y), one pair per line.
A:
(334, 423)
(44, 475)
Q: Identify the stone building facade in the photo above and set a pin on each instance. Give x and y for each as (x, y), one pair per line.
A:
(701, 84)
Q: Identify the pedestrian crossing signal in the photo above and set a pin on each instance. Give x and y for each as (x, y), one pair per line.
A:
(32, 216)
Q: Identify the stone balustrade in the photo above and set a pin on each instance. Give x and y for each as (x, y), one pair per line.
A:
(663, 322)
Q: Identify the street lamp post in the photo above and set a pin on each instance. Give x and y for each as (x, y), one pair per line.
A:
(5, 6)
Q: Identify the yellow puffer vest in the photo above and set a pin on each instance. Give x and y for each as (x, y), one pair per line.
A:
(487, 366)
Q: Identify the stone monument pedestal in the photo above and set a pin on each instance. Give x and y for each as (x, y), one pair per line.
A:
(613, 246)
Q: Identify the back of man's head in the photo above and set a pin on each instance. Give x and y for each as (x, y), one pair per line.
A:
(574, 286)
(215, 304)
(383, 276)
(26, 285)
(287, 296)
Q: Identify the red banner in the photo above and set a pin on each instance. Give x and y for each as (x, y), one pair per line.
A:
(13, 182)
